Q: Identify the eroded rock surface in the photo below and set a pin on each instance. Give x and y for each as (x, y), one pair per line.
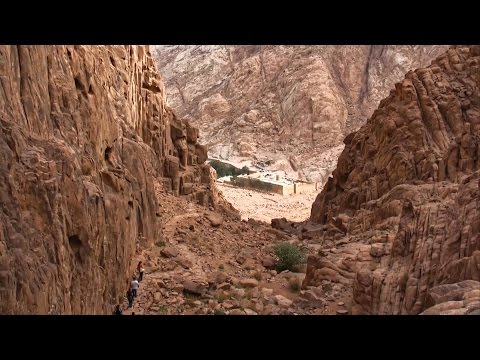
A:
(84, 131)
(400, 216)
(462, 298)
(290, 104)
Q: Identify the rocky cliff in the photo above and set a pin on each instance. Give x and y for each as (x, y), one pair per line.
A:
(85, 140)
(399, 222)
(290, 104)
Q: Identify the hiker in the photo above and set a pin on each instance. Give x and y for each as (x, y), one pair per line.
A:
(141, 270)
(134, 285)
(130, 298)
(117, 311)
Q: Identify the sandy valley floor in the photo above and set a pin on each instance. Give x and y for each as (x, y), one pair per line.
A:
(266, 206)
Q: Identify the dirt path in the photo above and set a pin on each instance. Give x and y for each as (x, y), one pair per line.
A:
(203, 266)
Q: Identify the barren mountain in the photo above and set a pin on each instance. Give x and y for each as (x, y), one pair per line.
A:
(292, 104)
(96, 173)
(84, 135)
(399, 222)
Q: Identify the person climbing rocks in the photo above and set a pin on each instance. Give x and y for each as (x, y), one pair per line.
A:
(134, 285)
(117, 311)
(140, 270)
(130, 298)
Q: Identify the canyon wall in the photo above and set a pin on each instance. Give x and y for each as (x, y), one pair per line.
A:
(290, 104)
(86, 139)
(399, 221)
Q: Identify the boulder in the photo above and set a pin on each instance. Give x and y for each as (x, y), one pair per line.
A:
(169, 252)
(193, 288)
(215, 219)
(249, 283)
(282, 301)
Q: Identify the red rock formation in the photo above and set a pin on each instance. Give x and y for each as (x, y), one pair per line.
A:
(454, 299)
(84, 133)
(278, 103)
(406, 190)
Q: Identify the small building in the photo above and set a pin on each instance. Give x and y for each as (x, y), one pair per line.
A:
(271, 182)
(303, 187)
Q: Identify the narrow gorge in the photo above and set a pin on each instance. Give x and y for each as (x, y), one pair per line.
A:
(86, 140)
(98, 173)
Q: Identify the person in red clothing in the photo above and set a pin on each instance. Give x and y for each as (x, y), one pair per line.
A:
(140, 270)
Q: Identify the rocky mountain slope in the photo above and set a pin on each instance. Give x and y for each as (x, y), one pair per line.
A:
(96, 173)
(291, 104)
(399, 222)
(84, 132)
(212, 263)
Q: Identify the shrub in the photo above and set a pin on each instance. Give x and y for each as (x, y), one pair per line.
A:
(160, 243)
(288, 255)
(219, 312)
(221, 267)
(162, 310)
(300, 268)
(224, 169)
(220, 296)
(295, 284)
(327, 287)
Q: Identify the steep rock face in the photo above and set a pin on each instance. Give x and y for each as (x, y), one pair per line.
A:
(285, 103)
(462, 298)
(84, 133)
(401, 209)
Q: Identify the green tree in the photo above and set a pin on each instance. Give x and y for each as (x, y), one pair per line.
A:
(288, 255)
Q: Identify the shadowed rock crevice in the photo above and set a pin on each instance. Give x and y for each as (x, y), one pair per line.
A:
(75, 245)
(107, 153)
